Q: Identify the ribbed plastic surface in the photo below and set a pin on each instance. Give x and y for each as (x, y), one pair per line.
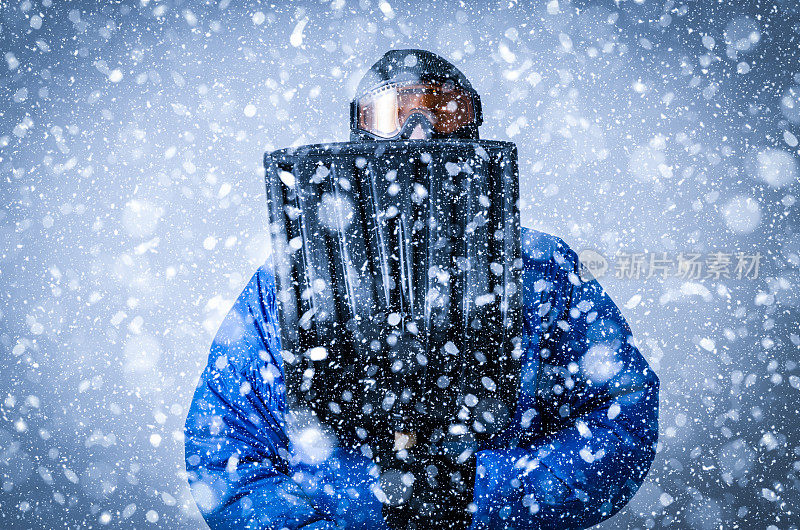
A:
(398, 277)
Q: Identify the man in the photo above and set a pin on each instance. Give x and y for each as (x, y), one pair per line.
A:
(582, 436)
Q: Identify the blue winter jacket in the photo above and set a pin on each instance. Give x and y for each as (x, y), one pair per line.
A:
(580, 444)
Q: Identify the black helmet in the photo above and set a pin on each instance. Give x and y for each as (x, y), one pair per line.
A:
(407, 89)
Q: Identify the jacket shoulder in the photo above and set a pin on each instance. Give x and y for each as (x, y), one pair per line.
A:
(248, 332)
(542, 247)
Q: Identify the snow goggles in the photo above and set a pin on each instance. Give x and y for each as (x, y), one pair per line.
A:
(384, 110)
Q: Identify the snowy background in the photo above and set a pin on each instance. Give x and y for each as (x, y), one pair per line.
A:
(133, 212)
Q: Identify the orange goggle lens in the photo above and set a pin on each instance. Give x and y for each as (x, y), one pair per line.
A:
(384, 111)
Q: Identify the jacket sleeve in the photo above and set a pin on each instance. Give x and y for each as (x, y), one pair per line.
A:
(241, 464)
(596, 410)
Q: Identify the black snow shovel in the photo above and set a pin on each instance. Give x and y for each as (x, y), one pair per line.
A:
(398, 275)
